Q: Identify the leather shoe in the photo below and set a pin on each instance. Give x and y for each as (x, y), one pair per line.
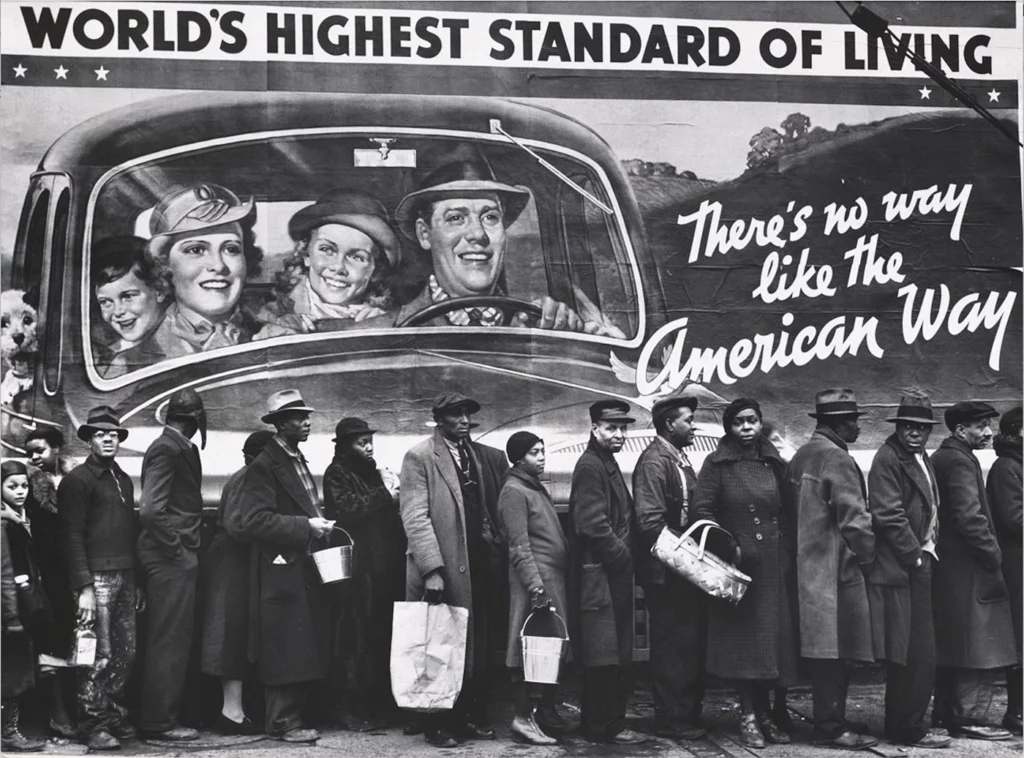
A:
(750, 733)
(850, 740)
(551, 721)
(440, 738)
(230, 728)
(101, 739)
(972, 732)
(527, 730)
(931, 741)
(628, 737)
(413, 728)
(124, 731)
(772, 733)
(174, 734)
(782, 719)
(1013, 724)
(297, 735)
(682, 732)
(470, 731)
(16, 742)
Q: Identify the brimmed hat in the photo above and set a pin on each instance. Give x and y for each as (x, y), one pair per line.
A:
(186, 403)
(464, 178)
(447, 401)
(353, 208)
(967, 411)
(102, 418)
(836, 401)
(351, 426)
(282, 402)
(915, 408)
(665, 406)
(610, 410)
(194, 209)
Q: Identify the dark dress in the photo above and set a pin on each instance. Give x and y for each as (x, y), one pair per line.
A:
(741, 491)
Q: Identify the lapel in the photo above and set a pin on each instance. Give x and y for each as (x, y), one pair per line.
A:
(481, 475)
(178, 440)
(913, 470)
(446, 466)
(285, 473)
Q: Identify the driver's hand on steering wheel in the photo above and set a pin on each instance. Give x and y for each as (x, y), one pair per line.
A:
(554, 315)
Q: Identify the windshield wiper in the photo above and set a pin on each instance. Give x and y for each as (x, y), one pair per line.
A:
(496, 129)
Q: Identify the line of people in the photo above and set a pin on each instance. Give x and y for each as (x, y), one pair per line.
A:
(842, 571)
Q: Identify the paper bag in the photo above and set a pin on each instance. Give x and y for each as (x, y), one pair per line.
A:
(428, 655)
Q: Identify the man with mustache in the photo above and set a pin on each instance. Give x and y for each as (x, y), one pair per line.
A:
(460, 215)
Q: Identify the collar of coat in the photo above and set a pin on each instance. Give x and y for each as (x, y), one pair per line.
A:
(960, 446)
(607, 456)
(730, 450)
(893, 441)
(528, 479)
(1008, 446)
(829, 434)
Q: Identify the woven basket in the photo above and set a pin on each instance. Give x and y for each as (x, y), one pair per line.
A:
(686, 557)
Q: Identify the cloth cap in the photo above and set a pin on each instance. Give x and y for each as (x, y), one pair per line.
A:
(916, 408)
(836, 401)
(447, 401)
(967, 411)
(102, 418)
(285, 400)
(351, 426)
(1011, 422)
(733, 409)
(519, 444)
(610, 410)
(256, 441)
(353, 208)
(663, 407)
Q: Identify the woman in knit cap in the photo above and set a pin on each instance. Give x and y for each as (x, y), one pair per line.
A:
(538, 556)
(753, 643)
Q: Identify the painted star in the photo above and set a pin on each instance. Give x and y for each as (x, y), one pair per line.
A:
(926, 94)
(19, 71)
(993, 96)
(101, 73)
(61, 72)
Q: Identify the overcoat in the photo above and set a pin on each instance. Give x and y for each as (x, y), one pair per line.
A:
(1005, 497)
(973, 627)
(41, 509)
(171, 503)
(538, 553)
(658, 502)
(432, 511)
(289, 623)
(600, 559)
(835, 548)
(18, 670)
(742, 493)
(225, 571)
(901, 502)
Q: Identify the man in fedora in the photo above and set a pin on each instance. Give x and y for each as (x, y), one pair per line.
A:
(601, 575)
(96, 507)
(459, 214)
(971, 603)
(449, 501)
(903, 500)
(170, 515)
(358, 499)
(277, 510)
(663, 487)
(835, 548)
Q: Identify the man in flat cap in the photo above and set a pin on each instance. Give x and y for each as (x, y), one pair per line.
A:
(601, 575)
(835, 548)
(449, 502)
(903, 500)
(277, 510)
(170, 514)
(96, 507)
(973, 627)
(663, 486)
(459, 214)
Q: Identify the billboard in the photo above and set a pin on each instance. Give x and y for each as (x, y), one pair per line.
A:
(724, 199)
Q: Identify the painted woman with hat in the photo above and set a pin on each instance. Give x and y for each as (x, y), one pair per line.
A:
(338, 275)
(357, 497)
(752, 644)
(202, 251)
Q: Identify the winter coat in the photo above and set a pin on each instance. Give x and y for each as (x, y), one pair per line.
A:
(741, 492)
(902, 503)
(1005, 497)
(600, 559)
(18, 669)
(435, 526)
(658, 502)
(538, 553)
(973, 626)
(835, 548)
(289, 622)
(41, 510)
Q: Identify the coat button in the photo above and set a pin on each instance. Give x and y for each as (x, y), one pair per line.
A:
(757, 520)
(462, 569)
(758, 537)
(750, 507)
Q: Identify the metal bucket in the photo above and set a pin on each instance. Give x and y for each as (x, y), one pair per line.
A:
(335, 563)
(543, 656)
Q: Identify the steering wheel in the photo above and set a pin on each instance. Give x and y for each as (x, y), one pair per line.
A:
(509, 307)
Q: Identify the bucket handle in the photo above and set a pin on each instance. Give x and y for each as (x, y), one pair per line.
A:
(708, 524)
(351, 541)
(557, 615)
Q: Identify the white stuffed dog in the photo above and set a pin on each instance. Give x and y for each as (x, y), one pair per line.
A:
(18, 344)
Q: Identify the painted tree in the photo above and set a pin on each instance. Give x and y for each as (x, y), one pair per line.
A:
(795, 126)
(765, 146)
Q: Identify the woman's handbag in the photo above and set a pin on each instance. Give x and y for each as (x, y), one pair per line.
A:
(693, 562)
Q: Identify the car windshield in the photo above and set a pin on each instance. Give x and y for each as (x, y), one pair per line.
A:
(206, 249)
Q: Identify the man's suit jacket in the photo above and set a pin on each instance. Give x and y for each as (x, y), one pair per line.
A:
(171, 504)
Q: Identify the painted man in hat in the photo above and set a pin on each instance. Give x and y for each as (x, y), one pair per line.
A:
(459, 214)
(663, 487)
(903, 500)
(357, 497)
(973, 628)
(170, 515)
(277, 510)
(450, 488)
(835, 548)
(96, 506)
(601, 574)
